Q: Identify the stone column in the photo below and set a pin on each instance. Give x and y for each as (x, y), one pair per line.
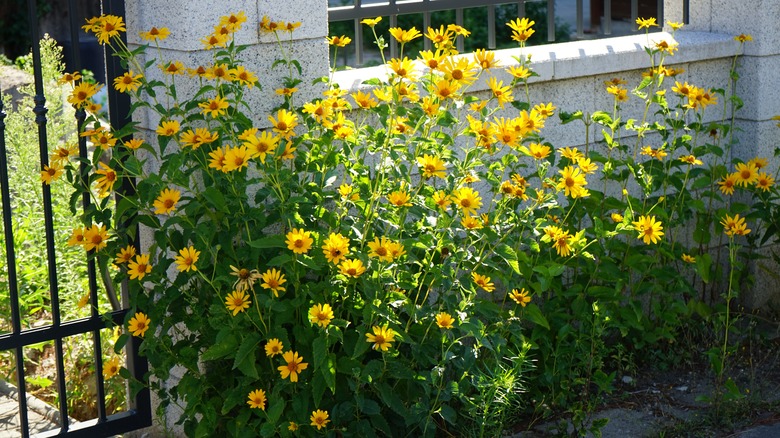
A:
(190, 21)
(759, 88)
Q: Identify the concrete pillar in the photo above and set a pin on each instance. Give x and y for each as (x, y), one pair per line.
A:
(190, 21)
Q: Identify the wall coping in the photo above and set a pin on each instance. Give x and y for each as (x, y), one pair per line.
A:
(583, 58)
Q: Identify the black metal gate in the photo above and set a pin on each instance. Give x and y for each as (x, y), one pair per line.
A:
(138, 412)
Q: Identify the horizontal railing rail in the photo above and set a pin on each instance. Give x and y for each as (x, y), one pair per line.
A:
(601, 10)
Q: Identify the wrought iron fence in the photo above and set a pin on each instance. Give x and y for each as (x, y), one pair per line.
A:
(600, 23)
(138, 413)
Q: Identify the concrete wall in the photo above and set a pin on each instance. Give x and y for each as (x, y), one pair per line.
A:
(571, 74)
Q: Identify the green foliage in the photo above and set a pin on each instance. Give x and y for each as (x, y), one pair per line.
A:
(398, 268)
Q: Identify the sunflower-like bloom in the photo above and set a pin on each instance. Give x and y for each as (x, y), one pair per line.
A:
(734, 226)
(521, 29)
(166, 202)
(105, 27)
(236, 158)
(539, 151)
(382, 338)
(747, 174)
(299, 241)
(273, 279)
(441, 199)
(688, 258)
(107, 179)
(214, 107)
(321, 314)
(128, 82)
(444, 320)
(468, 200)
(502, 93)
(76, 237)
(572, 182)
(432, 166)
(217, 159)
(335, 248)
(404, 36)
(284, 123)
(51, 173)
(520, 296)
(168, 128)
(319, 419)
(125, 255)
(273, 347)
(295, 365)
(156, 34)
(82, 93)
(197, 138)
(95, 237)
(649, 229)
(186, 259)
(111, 367)
(352, 268)
(400, 198)
(460, 70)
(256, 399)
(483, 282)
(339, 41)
(727, 184)
(138, 268)
(237, 301)
(379, 249)
(138, 324)
(764, 181)
(244, 77)
(646, 23)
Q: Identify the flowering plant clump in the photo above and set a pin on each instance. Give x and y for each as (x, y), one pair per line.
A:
(386, 259)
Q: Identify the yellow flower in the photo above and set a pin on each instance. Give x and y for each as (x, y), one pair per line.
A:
(321, 314)
(519, 72)
(400, 198)
(727, 184)
(236, 158)
(747, 173)
(218, 72)
(587, 166)
(378, 249)
(538, 151)
(571, 153)
(139, 267)
(299, 241)
(83, 301)
(468, 200)
(166, 202)
(335, 248)
(520, 297)
(339, 41)
(273, 347)
(217, 160)
(262, 145)
(403, 68)
(617, 218)
(352, 268)
(105, 27)
(215, 40)
(127, 82)
(431, 166)
(743, 38)
(134, 143)
(459, 30)
(125, 255)
(432, 60)
(237, 301)
(503, 94)
(645, 23)
(186, 259)
(156, 34)
(649, 230)
(759, 162)
(173, 68)
(364, 100)
(764, 181)
(257, 399)
(284, 123)
(483, 282)
(96, 237)
(168, 128)
(76, 237)
(620, 93)
(371, 21)
(111, 367)
(382, 338)
(561, 241)
(319, 419)
(485, 59)
(675, 25)
(294, 366)
(104, 139)
(347, 192)
(82, 93)
(396, 249)
(197, 138)
(471, 223)
(460, 70)
(51, 173)
(138, 324)
(734, 226)
(690, 159)
(69, 78)
(404, 36)
(273, 279)
(441, 199)
(521, 29)
(688, 258)
(444, 320)
(214, 107)
(293, 426)
(572, 182)
(62, 154)
(106, 181)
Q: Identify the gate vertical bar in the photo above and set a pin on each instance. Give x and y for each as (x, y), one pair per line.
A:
(551, 21)
(85, 202)
(491, 17)
(40, 119)
(16, 320)
(580, 20)
(607, 17)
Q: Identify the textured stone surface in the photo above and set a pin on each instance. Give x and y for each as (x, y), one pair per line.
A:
(759, 86)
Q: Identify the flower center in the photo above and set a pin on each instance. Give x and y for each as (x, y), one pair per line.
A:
(168, 203)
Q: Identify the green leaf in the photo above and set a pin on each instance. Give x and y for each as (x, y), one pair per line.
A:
(120, 342)
(509, 255)
(703, 265)
(245, 356)
(274, 241)
(221, 349)
(535, 315)
(216, 198)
